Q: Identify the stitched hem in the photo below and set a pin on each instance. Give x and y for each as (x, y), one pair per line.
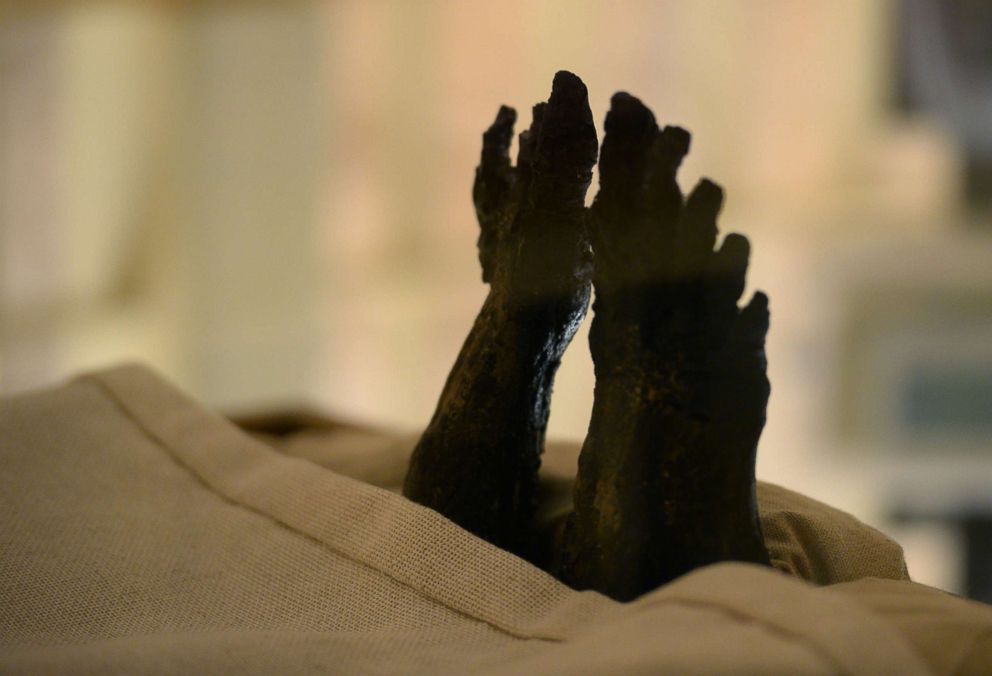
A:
(180, 454)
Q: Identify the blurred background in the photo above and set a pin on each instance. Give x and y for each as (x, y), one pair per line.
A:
(270, 204)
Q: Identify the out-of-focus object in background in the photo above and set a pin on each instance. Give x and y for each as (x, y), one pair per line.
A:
(158, 192)
(945, 49)
(913, 397)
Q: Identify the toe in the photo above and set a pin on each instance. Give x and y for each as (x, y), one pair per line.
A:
(727, 269)
(566, 147)
(496, 140)
(752, 324)
(617, 210)
(697, 228)
(665, 201)
(671, 148)
(630, 132)
(527, 146)
(493, 185)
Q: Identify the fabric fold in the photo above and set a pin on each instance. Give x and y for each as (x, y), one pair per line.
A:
(144, 533)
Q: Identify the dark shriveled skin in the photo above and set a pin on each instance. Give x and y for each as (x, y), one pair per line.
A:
(666, 474)
(477, 462)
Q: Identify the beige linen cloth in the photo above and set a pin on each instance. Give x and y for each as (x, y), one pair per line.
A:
(141, 533)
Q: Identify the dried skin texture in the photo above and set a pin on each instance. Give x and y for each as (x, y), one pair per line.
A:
(666, 474)
(477, 462)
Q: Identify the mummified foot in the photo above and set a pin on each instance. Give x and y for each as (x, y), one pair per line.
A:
(666, 474)
(477, 461)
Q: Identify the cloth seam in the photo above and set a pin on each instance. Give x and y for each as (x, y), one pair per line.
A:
(175, 457)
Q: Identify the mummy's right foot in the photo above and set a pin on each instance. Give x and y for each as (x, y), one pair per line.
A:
(477, 461)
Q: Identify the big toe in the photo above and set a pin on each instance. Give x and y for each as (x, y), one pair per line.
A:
(567, 147)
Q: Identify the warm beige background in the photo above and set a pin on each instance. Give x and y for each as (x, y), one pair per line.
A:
(269, 202)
